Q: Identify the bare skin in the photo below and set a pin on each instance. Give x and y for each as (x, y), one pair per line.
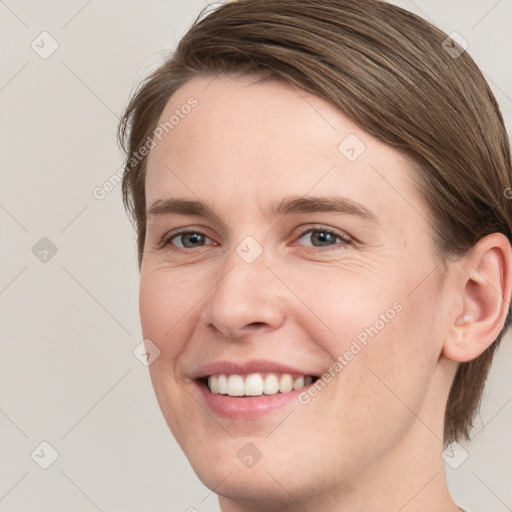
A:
(371, 438)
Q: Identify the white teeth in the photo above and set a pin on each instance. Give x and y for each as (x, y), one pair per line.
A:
(255, 385)
(235, 385)
(285, 383)
(223, 384)
(298, 383)
(271, 384)
(213, 384)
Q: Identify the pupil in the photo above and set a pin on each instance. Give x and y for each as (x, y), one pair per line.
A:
(322, 237)
(192, 238)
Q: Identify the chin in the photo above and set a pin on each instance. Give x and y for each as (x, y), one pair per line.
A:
(253, 485)
(251, 469)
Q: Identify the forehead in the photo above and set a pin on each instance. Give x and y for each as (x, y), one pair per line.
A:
(253, 143)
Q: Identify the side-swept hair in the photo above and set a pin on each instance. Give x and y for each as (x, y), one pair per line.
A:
(391, 72)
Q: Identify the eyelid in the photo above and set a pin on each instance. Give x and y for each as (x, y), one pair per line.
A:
(345, 238)
(322, 227)
(167, 237)
(342, 235)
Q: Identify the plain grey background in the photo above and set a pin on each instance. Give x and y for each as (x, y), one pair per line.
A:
(69, 302)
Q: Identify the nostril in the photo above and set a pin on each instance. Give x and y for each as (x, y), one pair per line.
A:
(256, 324)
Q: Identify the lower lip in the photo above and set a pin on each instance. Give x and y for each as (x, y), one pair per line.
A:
(249, 407)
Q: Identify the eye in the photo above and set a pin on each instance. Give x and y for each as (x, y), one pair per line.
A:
(185, 240)
(324, 237)
(318, 236)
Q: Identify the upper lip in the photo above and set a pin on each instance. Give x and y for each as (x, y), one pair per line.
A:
(244, 367)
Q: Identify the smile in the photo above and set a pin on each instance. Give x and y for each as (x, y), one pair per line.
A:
(250, 389)
(256, 384)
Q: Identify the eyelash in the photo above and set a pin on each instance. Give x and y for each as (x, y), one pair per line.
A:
(166, 240)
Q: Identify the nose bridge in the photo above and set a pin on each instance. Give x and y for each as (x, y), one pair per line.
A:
(245, 294)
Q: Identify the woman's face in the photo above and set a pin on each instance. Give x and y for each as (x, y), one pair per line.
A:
(296, 248)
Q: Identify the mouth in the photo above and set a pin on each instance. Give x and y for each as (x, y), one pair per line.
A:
(255, 384)
(251, 389)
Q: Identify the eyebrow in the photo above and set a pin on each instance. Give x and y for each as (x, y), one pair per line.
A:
(288, 205)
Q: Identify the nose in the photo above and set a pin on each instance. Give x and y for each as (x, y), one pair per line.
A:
(248, 298)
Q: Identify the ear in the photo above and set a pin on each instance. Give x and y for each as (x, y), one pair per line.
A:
(484, 285)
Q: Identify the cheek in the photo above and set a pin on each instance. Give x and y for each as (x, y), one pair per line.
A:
(339, 306)
(164, 305)
(165, 302)
(380, 333)
(398, 363)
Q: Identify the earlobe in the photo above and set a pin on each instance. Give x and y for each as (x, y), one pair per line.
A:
(485, 286)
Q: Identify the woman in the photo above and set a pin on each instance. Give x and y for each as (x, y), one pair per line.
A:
(319, 192)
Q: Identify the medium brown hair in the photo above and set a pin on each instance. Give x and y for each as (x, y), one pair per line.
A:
(394, 74)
